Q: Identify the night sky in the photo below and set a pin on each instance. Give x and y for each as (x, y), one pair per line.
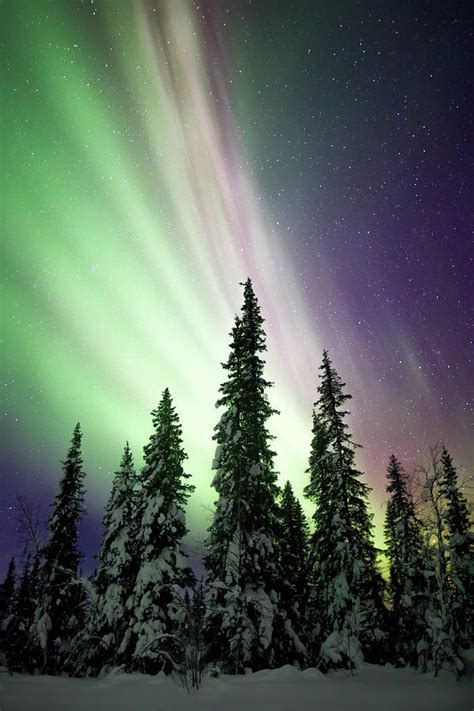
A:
(156, 153)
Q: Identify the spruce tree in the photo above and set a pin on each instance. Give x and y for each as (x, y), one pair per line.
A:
(24, 603)
(405, 556)
(114, 578)
(245, 625)
(60, 612)
(198, 607)
(23, 655)
(7, 608)
(294, 563)
(460, 554)
(157, 613)
(347, 601)
(319, 489)
(7, 591)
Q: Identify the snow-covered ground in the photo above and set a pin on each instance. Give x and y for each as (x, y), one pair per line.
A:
(285, 689)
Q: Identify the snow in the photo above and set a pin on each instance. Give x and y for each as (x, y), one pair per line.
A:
(284, 689)
(255, 470)
(337, 645)
(217, 457)
(4, 624)
(149, 574)
(299, 646)
(260, 600)
(43, 627)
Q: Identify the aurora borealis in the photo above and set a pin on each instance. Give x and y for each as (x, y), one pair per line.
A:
(156, 153)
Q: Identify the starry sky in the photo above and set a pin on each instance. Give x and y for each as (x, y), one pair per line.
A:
(158, 152)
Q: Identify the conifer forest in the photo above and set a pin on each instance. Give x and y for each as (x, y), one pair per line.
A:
(277, 589)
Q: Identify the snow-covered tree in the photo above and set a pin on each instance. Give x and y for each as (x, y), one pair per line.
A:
(7, 608)
(245, 624)
(21, 651)
(348, 612)
(7, 591)
(60, 612)
(114, 578)
(438, 650)
(460, 553)
(408, 586)
(152, 636)
(294, 562)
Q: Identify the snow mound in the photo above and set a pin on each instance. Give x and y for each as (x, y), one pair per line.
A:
(285, 673)
(313, 674)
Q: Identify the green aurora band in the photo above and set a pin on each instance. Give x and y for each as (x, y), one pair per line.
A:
(132, 214)
(126, 242)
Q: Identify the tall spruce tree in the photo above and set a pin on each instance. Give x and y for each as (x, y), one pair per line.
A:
(294, 563)
(347, 600)
(460, 554)
(60, 613)
(245, 624)
(319, 489)
(114, 578)
(408, 586)
(156, 605)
